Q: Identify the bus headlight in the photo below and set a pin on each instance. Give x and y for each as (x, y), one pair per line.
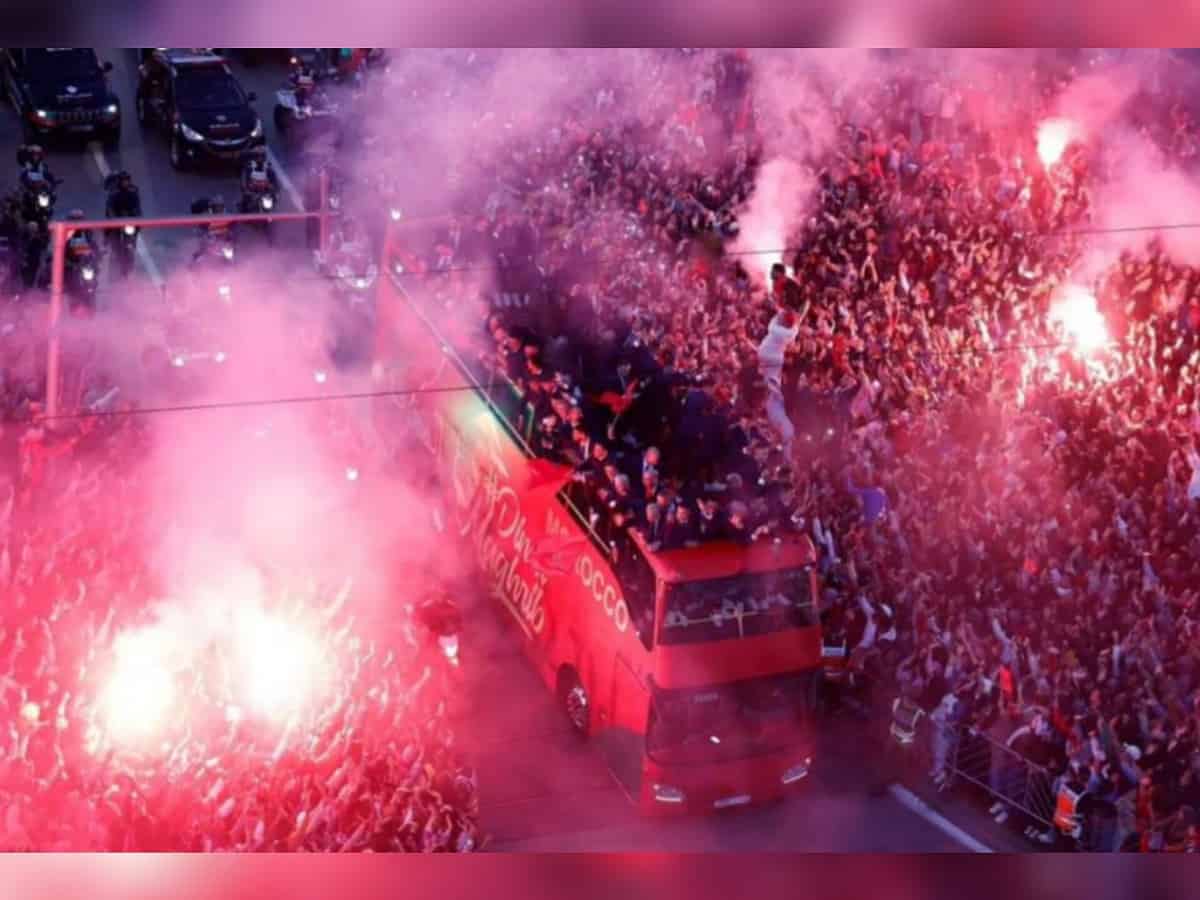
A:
(268, 203)
(665, 793)
(43, 200)
(87, 273)
(797, 772)
(130, 230)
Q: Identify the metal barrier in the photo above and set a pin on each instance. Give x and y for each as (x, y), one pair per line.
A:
(969, 756)
(966, 758)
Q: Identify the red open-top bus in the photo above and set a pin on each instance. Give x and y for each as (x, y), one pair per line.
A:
(696, 670)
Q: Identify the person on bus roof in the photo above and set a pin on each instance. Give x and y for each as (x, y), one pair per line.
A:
(681, 530)
(653, 526)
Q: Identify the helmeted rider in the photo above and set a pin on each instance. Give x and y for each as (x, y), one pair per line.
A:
(349, 241)
(36, 192)
(258, 169)
(124, 201)
(81, 240)
(212, 206)
(303, 82)
(32, 158)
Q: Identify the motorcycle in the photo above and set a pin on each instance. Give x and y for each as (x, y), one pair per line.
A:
(443, 623)
(303, 113)
(259, 196)
(38, 197)
(123, 243)
(10, 268)
(81, 279)
(124, 248)
(354, 279)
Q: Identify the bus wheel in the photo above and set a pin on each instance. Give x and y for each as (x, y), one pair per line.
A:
(575, 702)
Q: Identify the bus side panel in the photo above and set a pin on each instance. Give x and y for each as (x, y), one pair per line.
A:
(534, 556)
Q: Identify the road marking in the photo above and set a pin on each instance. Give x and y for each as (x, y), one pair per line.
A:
(915, 804)
(284, 181)
(143, 252)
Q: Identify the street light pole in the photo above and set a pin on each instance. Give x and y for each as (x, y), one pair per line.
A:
(58, 244)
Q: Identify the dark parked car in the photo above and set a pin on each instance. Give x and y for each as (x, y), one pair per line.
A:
(197, 101)
(61, 91)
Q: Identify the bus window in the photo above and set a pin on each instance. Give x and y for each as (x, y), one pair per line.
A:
(737, 607)
(731, 721)
(637, 584)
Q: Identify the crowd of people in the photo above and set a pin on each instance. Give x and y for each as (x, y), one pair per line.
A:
(371, 765)
(1003, 519)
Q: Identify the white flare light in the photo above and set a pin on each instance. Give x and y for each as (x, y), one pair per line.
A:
(1076, 311)
(1053, 138)
(140, 691)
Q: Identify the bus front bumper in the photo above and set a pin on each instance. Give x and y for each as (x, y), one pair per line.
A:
(669, 789)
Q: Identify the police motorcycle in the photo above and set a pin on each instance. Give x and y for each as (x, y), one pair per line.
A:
(10, 247)
(216, 254)
(123, 203)
(38, 197)
(81, 272)
(443, 623)
(10, 267)
(439, 625)
(38, 185)
(260, 192)
(302, 110)
(216, 238)
(351, 268)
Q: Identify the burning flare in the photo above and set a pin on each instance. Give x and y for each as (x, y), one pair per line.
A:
(1053, 138)
(1077, 312)
(140, 691)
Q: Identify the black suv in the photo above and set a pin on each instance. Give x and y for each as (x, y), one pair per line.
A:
(197, 101)
(61, 91)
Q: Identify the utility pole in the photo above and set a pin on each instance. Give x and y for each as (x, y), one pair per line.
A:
(58, 244)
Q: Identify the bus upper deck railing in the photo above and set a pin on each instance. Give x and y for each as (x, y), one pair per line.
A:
(497, 382)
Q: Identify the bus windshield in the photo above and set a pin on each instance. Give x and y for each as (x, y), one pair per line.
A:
(738, 607)
(730, 721)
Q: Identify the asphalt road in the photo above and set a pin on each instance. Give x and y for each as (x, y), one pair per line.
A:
(542, 790)
(165, 192)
